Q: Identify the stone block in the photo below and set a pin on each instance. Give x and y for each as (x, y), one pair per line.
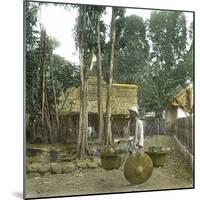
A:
(68, 167)
(55, 168)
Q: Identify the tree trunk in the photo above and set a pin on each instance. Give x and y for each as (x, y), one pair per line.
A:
(43, 70)
(48, 121)
(83, 119)
(85, 56)
(109, 88)
(54, 92)
(54, 95)
(99, 87)
(80, 145)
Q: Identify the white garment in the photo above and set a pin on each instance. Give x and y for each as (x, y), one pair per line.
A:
(138, 139)
(139, 134)
(89, 131)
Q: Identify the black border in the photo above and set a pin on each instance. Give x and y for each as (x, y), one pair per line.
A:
(24, 99)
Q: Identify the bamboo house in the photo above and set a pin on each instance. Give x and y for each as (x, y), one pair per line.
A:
(123, 97)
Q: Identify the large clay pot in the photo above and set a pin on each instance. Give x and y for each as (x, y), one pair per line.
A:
(138, 168)
(111, 161)
(158, 158)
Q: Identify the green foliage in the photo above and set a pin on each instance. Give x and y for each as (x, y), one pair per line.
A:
(185, 68)
(168, 33)
(153, 55)
(66, 74)
(86, 29)
(32, 59)
(32, 34)
(39, 48)
(168, 68)
(132, 50)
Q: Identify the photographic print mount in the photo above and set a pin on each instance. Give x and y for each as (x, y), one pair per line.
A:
(109, 99)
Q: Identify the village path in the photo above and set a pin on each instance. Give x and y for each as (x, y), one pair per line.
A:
(175, 174)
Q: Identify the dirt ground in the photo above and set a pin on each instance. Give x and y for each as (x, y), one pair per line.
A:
(176, 173)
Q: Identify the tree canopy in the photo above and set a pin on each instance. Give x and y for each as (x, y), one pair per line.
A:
(165, 72)
(132, 50)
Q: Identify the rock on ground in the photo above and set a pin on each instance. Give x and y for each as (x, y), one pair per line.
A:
(81, 164)
(33, 167)
(68, 167)
(98, 161)
(44, 168)
(33, 175)
(56, 168)
(38, 167)
(43, 158)
(92, 165)
(47, 174)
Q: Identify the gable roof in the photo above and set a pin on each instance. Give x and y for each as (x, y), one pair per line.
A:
(123, 97)
(184, 99)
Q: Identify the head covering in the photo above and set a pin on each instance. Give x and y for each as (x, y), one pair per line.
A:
(134, 109)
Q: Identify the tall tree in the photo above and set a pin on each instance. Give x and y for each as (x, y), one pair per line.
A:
(46, 50)
(53, 86)
(132, 50)
(32, 59)
(168, 35)
(85, 38)
(185, 68)
(43, 47)
(100, 42)
(46, 74)
(32, 73)
(109, 87)
(99, 83)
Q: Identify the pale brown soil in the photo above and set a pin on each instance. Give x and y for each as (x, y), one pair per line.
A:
(175, 174)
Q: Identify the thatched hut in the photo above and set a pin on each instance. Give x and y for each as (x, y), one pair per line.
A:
(181, 106)
(123, 97)
(184, 100)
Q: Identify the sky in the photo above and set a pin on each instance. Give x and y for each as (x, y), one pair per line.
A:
(59, 23)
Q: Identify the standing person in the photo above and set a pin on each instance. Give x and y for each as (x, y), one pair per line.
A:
(135, 130)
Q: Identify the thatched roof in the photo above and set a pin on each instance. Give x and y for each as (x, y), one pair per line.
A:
(184, 99)
(123, 97)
